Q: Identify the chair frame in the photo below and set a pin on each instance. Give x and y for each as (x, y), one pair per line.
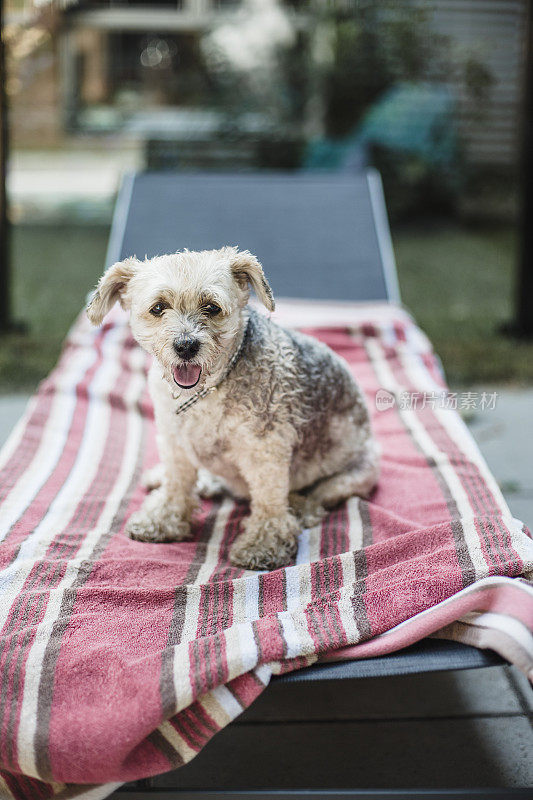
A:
(426, 656)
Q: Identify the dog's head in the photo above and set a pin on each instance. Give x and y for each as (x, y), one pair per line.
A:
(185, 308)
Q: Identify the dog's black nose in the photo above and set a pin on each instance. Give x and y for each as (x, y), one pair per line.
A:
(186, 347)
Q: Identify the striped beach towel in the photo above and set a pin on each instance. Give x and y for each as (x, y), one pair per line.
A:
(121, 659)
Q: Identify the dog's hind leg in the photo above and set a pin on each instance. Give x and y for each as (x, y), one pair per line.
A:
(153, 478)
(209, 485)
(356, 480)
(309, 511)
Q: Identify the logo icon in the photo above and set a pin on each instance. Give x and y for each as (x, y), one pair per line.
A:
(384, 400)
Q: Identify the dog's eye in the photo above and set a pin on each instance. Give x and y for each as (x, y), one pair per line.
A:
(158, 309)
(212, 309)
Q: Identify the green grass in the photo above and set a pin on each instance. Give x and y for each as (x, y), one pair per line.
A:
(53, 269)
(457, 282)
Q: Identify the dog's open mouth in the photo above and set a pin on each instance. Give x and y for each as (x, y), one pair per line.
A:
(187, 375)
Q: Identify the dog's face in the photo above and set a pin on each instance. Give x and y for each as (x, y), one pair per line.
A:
(185, 308)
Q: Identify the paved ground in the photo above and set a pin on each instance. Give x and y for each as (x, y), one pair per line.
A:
(46, 179)
(11, 408)
(440, 730)
(505, 437)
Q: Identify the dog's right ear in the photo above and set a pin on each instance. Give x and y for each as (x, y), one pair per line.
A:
(111, 288)
(247, 270)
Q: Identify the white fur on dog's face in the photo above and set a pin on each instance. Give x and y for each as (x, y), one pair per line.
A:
(188, 295)
(189, 286)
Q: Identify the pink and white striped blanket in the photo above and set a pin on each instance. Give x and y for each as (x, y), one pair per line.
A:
(120, 659)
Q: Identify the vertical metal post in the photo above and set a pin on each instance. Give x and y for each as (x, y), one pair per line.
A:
(5, 311)
(523, 323)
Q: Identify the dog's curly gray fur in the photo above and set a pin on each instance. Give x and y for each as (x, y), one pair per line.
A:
(286, 428)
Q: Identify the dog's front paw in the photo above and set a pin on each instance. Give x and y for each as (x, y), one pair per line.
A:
(158, 521)
(266, 543)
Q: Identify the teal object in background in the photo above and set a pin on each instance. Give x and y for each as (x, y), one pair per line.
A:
(415, 119)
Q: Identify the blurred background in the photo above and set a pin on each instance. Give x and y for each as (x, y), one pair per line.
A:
(430, 92)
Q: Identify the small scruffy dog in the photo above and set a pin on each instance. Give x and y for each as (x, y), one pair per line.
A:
(273, 414)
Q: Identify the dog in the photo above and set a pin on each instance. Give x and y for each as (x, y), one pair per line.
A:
(269, 414)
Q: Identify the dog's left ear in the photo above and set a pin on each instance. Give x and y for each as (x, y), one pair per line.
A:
(111, 288)
(247, 270)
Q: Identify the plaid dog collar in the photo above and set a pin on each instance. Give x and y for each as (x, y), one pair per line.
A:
(203, 392)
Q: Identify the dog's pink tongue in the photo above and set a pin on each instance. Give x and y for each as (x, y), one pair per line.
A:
(187, 374)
